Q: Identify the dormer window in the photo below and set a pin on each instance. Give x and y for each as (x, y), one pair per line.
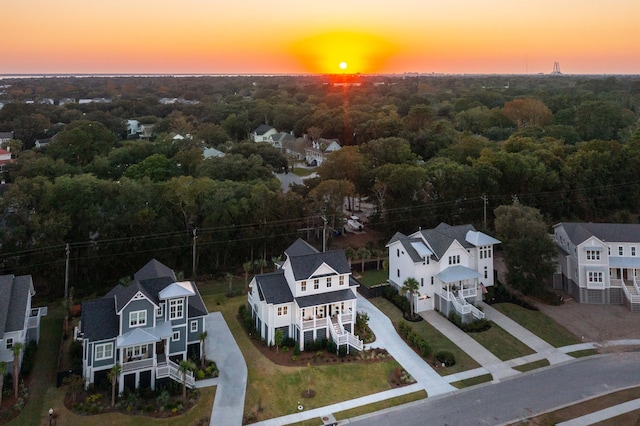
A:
(160, 310)
(316, 284)
(328, 282)
(341, 280)
(137, 318)
(176, 309)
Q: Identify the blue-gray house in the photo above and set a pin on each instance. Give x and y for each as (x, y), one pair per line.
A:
(147, 327)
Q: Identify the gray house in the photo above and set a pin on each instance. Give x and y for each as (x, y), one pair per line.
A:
(147, 327)
(19, 323)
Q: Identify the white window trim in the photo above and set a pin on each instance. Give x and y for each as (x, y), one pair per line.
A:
(194, 326)
(10, 343)
(160, 310)
(177, 303)
(138, 351)
(175, 337)
(137, 315)
(106, 347)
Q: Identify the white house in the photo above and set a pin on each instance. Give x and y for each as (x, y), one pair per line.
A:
(262, 133)
(600, 262)
(310, 297)
(317, 152)
(19, 322)
(452, 264)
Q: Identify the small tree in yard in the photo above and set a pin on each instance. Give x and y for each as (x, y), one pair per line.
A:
(410, 286)
(113, 375)
(278, 337)
(75, 383)
(185, 367)
(202, 337)
(17, 348)
(363, 254)
(248, 267)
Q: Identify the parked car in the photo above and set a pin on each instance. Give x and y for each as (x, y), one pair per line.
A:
(355, 223)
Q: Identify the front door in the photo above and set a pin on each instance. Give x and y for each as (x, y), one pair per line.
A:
(160, 347)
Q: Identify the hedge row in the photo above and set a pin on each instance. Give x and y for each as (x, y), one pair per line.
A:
(414, 339)
(470, 327)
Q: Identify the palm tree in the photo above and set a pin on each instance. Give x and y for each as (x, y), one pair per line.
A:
(410, 286)
(17, 348)
(113, 375)
(185, 366)
(247, 266)
(363, 254)
(202, 337)
(260, 263)
(3, 371)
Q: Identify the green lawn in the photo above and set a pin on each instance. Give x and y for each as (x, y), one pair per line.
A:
(274, 390)
(371, 278)
(539, 324)
(532, 365)
(500, 343)
(437, 340)
(303, 171)
(472, 381)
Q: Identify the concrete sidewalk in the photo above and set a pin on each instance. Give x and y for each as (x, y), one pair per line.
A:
(604, 414)
(228, 407)
(554, 355)
(498, 369)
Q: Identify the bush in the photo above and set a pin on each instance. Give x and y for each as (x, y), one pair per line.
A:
(414, 339)
(446, 358)
(394, 296)
(29, 358)
(498, 293)
(245, 318)
(288, 342)
(332, 347)
(470, 327)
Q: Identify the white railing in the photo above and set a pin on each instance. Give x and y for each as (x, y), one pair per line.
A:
(635, 285)
(468, 292)
(137, 365)
(33, 322)
(477, 312)
(462, 307)
(633, 298)
(598, 285)
(446, 295)
(343, 337)
(348, 317)
(313, 323)
(176, 374)
(356, 343)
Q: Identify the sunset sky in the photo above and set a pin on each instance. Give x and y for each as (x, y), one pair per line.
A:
(291, 37)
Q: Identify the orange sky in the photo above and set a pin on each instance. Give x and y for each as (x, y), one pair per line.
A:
(287, 36)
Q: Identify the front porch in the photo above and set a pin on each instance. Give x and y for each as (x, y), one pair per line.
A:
(459, 290)
(624, 273)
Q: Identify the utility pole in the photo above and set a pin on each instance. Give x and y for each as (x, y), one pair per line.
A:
(66, 273)
(195, 237)
(485, 199)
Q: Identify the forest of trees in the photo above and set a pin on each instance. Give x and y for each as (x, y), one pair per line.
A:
(423, 149)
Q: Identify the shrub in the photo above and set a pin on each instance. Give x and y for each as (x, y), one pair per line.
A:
(403, 328)
(29, 357)
(401, 302)
(470, 327)
(296, 350)
(288, 342)
(331, 347)
(245, 318)
(446, 358)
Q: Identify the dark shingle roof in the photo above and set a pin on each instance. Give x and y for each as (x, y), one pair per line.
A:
(300, 247)
(608, 232)
(14, 295)
(273, 288)
(325, 298)
(154, 269)
(442, 236)
(197, 307)
(304, 266)
(99, 320)
(262, 129)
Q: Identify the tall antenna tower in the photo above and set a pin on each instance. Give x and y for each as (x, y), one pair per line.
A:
(556, 69)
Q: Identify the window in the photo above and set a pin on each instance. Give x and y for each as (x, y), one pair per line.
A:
(137, 318)
(176, 336)
(104, 351)
(431, 280)
(282, 310)
(328, 282)
(139, 351)
(303, 286)
(454, 260)
(398, 253)
(620, 250)
(176, 307)
(160, 310)
(485, 273)
(316, 284)
(421, 282)
(633, 251)
(398, 272)
(194, 326)
(481, 253)
(9, 343)
(341, 280)
(595, 277)
(593, 255)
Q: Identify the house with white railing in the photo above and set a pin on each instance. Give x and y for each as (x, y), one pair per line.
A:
(453, 266)
(310, 297)
(600, 262)
(147, 327)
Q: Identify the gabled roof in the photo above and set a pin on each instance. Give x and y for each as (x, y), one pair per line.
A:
(177, 289)
(299, 248)
(262, 129)
(458, 273)
(477, 238)
(325, 298)
(14, 296)
(607, 232)
(304, 266)
(442, 236)
(137, 336)
(273, 288)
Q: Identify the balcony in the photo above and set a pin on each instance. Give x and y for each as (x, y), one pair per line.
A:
(310, 324)
(137, 364)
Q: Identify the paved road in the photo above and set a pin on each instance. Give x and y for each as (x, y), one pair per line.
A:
(518, 397)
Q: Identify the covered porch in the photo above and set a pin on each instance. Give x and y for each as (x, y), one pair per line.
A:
(316, 311)
(459, 286)
(624, 272)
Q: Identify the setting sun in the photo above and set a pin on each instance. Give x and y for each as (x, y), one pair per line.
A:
(360, 52)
